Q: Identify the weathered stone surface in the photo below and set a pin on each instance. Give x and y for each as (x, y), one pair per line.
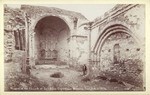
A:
(131, 44)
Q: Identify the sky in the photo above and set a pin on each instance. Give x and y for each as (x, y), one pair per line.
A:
(90, 11)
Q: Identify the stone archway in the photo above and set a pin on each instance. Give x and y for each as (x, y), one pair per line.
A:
(111, 29)
(116, 34)
(51, 40)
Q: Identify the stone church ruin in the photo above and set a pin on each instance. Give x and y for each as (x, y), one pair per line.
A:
(112, 46)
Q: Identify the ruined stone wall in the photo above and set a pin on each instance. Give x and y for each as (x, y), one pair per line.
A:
(128, 50)
(79, 45)
(13, 23)
(136, 20)
(82, 48)
(9, 40)
(80, 51)
(132, 18)
(8, 45)
(132, 48)
(14, 48)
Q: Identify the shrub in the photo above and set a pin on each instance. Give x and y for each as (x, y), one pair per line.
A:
(57, 75)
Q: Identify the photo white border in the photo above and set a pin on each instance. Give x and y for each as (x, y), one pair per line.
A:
(147, 47)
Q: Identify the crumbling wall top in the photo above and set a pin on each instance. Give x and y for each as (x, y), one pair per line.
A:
(41, 9)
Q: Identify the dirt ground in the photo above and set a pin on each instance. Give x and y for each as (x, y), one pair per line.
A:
(73, 80)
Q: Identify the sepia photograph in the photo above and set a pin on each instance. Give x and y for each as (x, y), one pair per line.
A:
(74, 47)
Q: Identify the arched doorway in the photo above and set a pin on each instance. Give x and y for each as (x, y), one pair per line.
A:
(51, 40)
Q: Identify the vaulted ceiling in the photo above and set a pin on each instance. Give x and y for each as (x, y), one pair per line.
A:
(52, 23)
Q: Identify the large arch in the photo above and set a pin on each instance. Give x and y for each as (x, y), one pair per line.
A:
(48, 15)
(110, 30)
(51, 40)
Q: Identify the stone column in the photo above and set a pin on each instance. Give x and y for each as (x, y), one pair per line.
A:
(90, 63)
(27, 42)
